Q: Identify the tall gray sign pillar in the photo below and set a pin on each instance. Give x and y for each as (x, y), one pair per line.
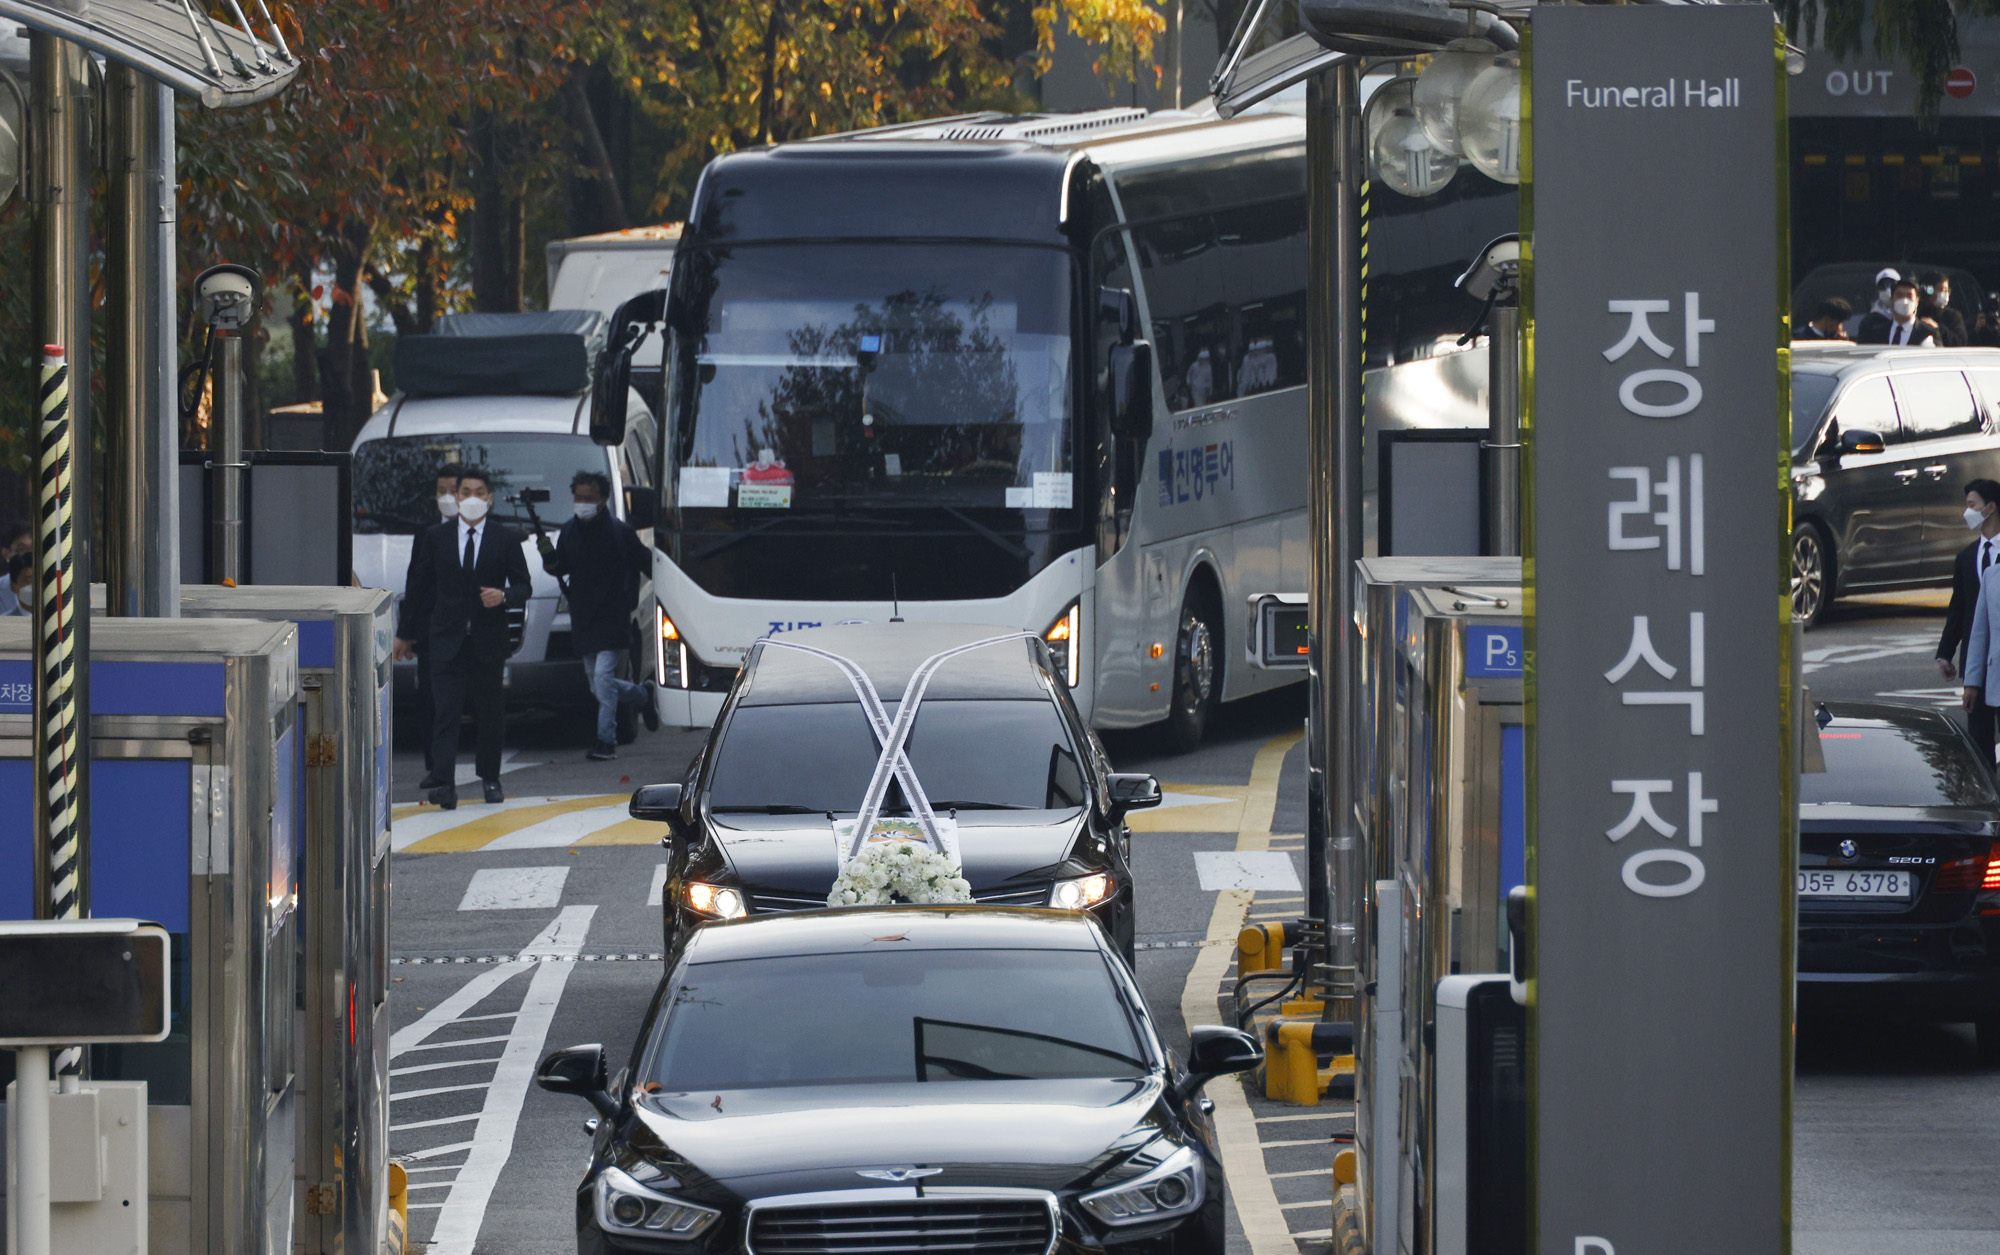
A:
(1663, 852)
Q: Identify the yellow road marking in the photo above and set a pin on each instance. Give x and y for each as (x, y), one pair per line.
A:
(476, 833)
(1264, 1222)
(404, 812)
(626, 832)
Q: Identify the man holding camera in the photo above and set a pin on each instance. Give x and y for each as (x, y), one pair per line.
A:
(603, 563)
(464, 574)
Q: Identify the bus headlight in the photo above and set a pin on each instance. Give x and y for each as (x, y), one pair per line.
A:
(670, 653)
(1061, 637)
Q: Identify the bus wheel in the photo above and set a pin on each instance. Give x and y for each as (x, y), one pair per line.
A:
(1197, 678)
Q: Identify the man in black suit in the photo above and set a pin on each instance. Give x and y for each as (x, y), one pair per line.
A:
(1982, 514)
(464, 574)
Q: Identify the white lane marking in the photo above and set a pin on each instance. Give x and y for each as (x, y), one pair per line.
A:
(431, 1124)
(474, 992)
(1317, 1115)
(433, 1153)
(1866, 651)
(1275, 1176)
(434, 1067)
(453, 1045)
(429, 1185)
(1944, 698)
(1311, 1202)
(658, 889)
(497, 1015)
(464, 1210)
(1245, 869)
(563, 830)
(1170, 799)
(426, 1093)
(514, 888)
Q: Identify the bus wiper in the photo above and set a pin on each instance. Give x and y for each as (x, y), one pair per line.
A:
(775, 808)
(726, 541)
(1010, 546)
(982, 806)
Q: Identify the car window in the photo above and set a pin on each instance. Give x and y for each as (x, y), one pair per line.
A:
(1987, 383)
(889, 1016)
(1936, 403)
(1867, 406)
(968, 754)
(1810, 393)
(1895, 767)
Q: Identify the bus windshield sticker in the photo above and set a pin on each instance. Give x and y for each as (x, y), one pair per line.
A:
(704, 486)
(764, 496)
(1052, 490)
(1020, 498)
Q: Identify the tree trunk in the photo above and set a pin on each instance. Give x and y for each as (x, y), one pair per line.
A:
(517, 253)
(305, 380)
(347, 383)
(606, 202)
(767, 99)
(427, 287)
(491, 207)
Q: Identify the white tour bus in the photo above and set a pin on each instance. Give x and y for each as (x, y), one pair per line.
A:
(1047, 371)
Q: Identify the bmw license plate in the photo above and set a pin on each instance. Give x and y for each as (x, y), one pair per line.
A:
(1853, 884)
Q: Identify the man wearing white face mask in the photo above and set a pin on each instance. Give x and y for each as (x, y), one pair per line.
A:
(447, 508)
(1982, 515)
(1902, 328)
(604, 563)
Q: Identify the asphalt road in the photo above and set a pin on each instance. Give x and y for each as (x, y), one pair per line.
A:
(1893, 1142)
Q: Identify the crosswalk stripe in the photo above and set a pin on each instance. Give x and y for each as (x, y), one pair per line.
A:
(658, 888)
(477, 834)
(626, 832)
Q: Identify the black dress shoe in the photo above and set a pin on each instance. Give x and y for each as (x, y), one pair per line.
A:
(445, 798)
(494, 793)
(649, 711)
(433, 780)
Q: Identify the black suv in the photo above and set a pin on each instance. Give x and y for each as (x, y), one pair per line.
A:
(1883, 442)
(996, 747)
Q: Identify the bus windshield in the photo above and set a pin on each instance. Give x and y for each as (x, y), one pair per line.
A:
(843, 377)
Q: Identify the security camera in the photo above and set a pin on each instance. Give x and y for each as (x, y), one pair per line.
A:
(228, 296)
(1499, 263)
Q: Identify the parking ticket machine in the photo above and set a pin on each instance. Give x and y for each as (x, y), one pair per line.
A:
(345, 635)
(1441, 809)
(194, 824)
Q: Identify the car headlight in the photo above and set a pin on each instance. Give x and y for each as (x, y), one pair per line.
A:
(670, 653)
(624, 1205)
(1171, 1189)
(1082, 892)
(1061, 637)
(715, 901)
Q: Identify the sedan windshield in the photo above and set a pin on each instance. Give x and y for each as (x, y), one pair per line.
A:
(1889, 766)
(889, 1016)
(839, 376)
(395, 478)
(970, 755)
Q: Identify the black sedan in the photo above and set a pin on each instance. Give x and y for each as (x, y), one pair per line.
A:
(997, 748)
(1899, 872)
(937, 1080)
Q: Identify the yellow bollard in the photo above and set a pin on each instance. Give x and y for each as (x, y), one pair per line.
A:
(1291, 1069)
(399, 1209)
(1343, 1167)
(1260, 948)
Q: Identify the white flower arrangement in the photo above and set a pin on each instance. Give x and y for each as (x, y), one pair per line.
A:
(889, 871)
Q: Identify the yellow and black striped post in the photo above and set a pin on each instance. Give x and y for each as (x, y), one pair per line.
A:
(59, 738)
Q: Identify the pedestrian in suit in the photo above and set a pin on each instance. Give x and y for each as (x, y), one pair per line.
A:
(1982, 514)
(1826, 322)
(447, 508)
(1900, 326)
(464, 575)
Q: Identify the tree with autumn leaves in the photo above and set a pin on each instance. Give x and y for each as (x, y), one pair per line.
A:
(424, 146)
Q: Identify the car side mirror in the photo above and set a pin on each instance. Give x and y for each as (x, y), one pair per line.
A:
(660, 803)
(639, 502)
(580, 1070)
(1132, 390)
(1861, 442)
(1213, 1051)
(1132, 791)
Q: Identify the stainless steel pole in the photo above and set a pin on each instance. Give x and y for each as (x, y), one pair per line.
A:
(142, 551)
(1349, 876)
(1503, 439)
(59, 134)
(226, 551)
(1323, 297)
(30, 1204)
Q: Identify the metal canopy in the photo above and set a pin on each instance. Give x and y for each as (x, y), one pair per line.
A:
(173, 41)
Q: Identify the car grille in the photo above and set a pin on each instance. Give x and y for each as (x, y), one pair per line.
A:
(1037, 896)
(1005, 1226)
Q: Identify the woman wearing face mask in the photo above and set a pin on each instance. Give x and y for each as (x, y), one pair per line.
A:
(1902, 327)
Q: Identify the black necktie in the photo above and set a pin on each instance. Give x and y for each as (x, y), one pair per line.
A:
(1985, 555)
(471, 535)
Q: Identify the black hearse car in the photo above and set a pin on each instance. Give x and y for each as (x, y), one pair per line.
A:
(997, 747)
(1899, 871)
(928, 1081)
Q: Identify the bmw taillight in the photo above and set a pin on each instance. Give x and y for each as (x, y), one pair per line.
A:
(1968, 873)
(1992, 878)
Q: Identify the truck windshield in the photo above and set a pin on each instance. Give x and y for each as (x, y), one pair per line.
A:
(395, 479)
(844, 378)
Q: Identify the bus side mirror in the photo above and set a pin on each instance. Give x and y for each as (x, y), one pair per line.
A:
(639, 513)
(1132, 390)
(634, 321)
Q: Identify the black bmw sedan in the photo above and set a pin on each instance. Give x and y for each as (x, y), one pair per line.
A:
(1899, 871)
(929, 1081)
(996, 747)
